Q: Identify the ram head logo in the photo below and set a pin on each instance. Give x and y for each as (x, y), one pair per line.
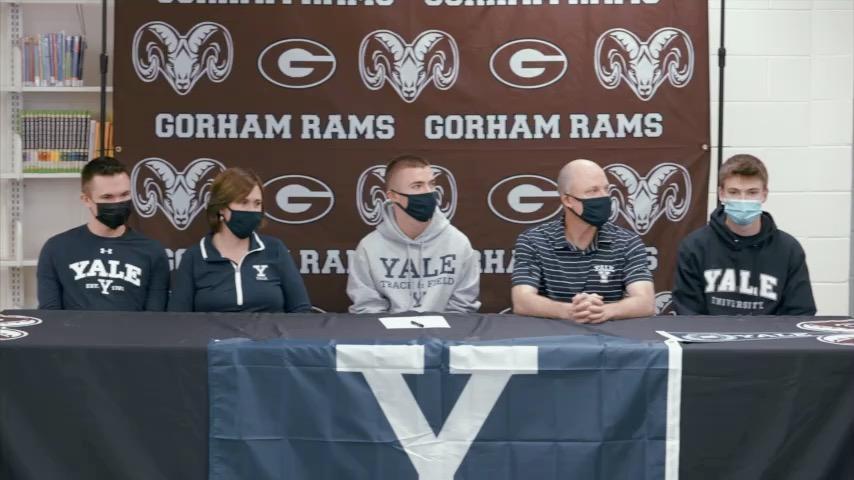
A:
(409, 67)
(207, 49)
(371, 196)
(667, 55)
(664, 303)
(666, 190)
(180, 196)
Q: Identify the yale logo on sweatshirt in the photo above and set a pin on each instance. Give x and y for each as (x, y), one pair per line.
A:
(106, 274)
(262, 272)
(431, 267)
(728, 280)
(604, 272)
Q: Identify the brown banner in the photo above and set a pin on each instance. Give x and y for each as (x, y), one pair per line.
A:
(316, 96)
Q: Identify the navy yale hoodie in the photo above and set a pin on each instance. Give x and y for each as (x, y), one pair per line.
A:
(721, 273)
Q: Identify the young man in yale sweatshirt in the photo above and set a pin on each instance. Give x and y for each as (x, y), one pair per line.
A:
(740, 263)
(415, 260)
(103, 264)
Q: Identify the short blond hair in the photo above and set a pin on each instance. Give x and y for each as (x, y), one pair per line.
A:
(399, 163)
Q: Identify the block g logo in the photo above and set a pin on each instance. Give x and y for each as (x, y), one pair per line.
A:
(524, 199)
(297, 63)
(370, 193)
(528, 63)
(298, 199)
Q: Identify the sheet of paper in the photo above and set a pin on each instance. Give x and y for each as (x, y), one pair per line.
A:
(426, 321)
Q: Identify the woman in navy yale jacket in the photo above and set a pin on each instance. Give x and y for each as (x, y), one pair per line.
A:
(234, 269)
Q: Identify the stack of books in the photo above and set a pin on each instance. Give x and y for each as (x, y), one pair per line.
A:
(61, 141)
(53, 60)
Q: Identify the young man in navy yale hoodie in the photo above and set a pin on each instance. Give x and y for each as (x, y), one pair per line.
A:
(740, 263)
(103, 265)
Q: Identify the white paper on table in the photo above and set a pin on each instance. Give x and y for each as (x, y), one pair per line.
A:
(427, 321)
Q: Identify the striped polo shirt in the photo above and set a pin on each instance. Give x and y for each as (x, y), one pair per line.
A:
(547, 261)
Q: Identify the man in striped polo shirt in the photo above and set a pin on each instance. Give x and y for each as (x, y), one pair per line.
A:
(581, 267)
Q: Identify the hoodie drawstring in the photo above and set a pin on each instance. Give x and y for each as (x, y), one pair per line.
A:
(409, 276)
(416, 264)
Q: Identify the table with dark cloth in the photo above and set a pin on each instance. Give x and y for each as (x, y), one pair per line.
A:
(107, 395)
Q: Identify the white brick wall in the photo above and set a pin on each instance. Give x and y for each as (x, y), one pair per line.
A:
(788, 100)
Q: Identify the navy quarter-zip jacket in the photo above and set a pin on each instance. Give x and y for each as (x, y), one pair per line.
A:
(265, 280)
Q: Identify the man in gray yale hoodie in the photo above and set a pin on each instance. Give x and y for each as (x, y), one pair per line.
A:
(415, 260)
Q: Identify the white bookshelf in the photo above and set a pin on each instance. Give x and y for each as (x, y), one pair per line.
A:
(39, 176)
(54, 2)
(64, 90)
(36, 206)
(51, 90)
(27, 263)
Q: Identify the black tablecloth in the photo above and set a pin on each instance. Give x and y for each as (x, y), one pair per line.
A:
(110, 395)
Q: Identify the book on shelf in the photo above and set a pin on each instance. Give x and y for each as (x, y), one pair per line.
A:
(61, 141)
(52, 60)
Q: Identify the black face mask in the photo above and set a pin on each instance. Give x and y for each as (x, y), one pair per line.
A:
(114, 215)
(596, 210)
(243, 223)
(420, 206)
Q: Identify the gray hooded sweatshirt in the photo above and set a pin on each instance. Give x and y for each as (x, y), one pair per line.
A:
(436, 272)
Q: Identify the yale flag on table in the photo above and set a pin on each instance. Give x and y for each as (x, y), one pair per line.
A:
(581, 407)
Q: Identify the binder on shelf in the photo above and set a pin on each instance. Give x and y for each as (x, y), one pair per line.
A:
(45, 58)
(92, 140)
(75, 56)
(80, 54)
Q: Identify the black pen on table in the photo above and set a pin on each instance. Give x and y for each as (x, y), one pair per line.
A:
(421, 325)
